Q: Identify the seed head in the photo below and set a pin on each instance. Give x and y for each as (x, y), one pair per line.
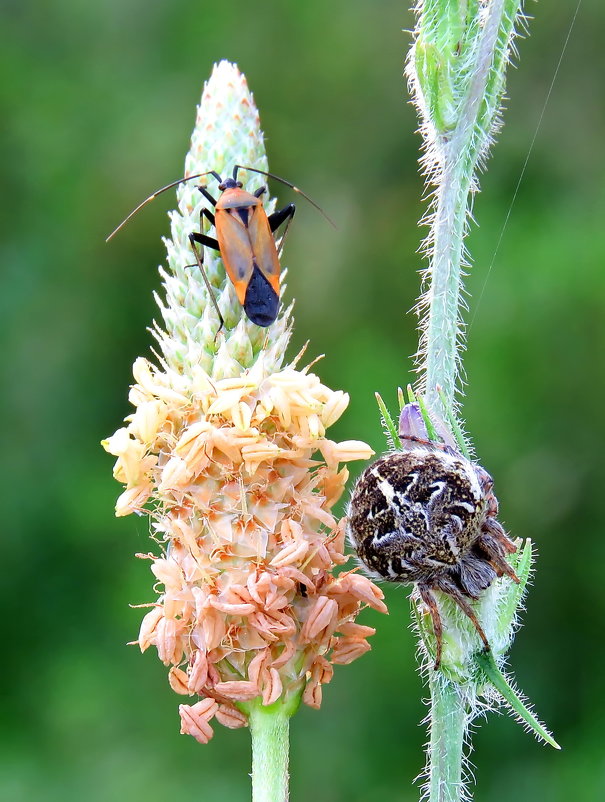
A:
(226, 453)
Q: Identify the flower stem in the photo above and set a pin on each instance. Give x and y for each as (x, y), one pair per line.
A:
(269, 728)
(454, 151)
(447, 728)
(457, 69)
(442, 327)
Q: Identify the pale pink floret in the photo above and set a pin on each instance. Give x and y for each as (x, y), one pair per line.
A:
(231, 717)
(238, 690)
(198, 673)
(249, 603)
(195, 719)
(148, 627)
(322, 616)
(320, 674)
(179, 681)
(133, 499)
(361, 588)
(347, 649)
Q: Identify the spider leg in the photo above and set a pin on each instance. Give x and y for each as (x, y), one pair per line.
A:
(423, 441)
(495, 545)
(496, 532)
(448, 587)
(431, 603)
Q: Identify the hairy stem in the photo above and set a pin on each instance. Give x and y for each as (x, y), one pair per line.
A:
(458, 152)
(457, 70)
(442, 326)
(447, 729)
(269, 728)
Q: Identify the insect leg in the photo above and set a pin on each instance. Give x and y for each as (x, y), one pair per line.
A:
(281, 216)
(202, 239)
(206, 194)
(260, 191)
(207, 214)
(431, 603)
(211, 243)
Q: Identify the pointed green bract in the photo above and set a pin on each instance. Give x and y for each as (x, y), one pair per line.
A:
(511, 602)
(432, 432)
(494, 675)
(390, 430)
(454, 424)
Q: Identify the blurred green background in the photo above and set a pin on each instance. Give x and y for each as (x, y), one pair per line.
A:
(98, 102)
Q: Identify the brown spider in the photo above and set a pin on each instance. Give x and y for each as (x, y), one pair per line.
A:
(427, 515)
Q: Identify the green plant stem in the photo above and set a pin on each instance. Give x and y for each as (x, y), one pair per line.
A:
(269, 728)
(442, 331)
(447, 729)
(460, 153)
(458, 149)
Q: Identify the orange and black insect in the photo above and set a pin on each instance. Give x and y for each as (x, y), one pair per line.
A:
(244, 239)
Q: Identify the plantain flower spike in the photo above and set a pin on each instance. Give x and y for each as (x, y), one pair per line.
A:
(221, 453)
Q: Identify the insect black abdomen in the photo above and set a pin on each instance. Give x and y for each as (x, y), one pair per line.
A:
(261, 303)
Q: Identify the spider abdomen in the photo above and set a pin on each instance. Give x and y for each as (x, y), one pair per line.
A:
(415, 514)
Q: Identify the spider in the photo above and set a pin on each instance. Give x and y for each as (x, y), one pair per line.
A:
(427, 515)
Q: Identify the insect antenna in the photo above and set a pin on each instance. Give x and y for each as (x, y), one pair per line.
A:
(159, 192)
(288, 184)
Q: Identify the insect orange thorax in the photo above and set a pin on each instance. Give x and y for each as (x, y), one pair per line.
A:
(235, 198)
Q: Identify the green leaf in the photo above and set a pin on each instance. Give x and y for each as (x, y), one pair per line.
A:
(488, 667)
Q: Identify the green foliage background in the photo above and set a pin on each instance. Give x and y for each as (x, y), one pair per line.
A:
(98, 103)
